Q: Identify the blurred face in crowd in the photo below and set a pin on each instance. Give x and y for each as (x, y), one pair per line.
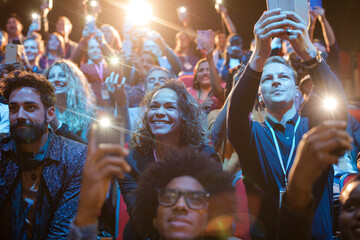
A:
(58, 79)
(184, 41)
(31, 49)
(349, 217)
(94, 51)
(156, 78)
(163, 115)
(27, 115)
(203, 74)
(220, 40)
(54, 43)
(180, 221)
(151, 46)
(63, 26)
(234, 47)
(277, 86)
(146, 61)
(13, 26)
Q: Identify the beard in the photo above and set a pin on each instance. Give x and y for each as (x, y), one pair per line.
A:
(29, 132)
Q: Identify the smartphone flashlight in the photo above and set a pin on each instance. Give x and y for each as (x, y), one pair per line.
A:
(114, 61)
(182, 9)
(104, 122)
(93, 3)
(34, 16)
(330, 103)
(89, 18)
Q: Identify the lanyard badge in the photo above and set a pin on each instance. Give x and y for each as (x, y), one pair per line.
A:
(285, 170)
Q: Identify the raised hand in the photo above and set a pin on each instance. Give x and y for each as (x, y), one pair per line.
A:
(102, 164)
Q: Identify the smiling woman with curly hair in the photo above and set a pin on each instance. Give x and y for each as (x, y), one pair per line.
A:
(193, 130)
(172, 121)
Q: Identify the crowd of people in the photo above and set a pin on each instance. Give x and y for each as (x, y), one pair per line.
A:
(209, 140)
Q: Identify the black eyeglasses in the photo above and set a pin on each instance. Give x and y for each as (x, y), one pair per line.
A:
(194, 199)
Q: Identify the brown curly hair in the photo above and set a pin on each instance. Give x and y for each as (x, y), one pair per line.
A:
(194, 130)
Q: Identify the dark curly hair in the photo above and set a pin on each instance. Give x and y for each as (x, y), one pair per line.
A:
(185, 163)
(18, 78)
(194, 130)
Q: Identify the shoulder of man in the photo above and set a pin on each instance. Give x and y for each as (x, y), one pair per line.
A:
(67, 151)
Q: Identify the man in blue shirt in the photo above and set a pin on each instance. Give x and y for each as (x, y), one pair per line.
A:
(266, 150)
(40, 172)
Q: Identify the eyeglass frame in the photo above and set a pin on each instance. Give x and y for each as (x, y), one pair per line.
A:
(184, 194)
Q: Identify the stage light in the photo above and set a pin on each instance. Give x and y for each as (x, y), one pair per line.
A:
(104, 122)
(219, 1)
(139, 12)
(330, 103)
(182, 9)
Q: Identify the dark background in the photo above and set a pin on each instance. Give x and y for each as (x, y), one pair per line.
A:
(344, 16)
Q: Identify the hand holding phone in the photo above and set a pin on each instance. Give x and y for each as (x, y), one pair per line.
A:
(102, 164)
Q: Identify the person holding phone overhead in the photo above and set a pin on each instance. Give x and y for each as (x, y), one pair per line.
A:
(207, 89)
(267, 150)
(95, 68)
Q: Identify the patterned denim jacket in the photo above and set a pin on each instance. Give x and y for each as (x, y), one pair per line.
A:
(58, 194)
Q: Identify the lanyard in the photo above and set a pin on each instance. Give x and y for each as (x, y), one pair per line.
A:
(278, 149)
(100, 70)
(155, 156)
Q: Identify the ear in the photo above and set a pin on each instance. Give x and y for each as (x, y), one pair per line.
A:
(154, 223)
(297, 92)
(260, 98)
(50, 114)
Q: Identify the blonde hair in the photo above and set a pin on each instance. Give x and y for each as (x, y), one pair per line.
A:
(80, 99)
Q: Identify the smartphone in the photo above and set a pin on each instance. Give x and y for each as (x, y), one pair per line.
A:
(11, 53)
(300, 7)
(205, 36)
(90, 22)
(182, 14)
(316, 3)
(109, 130)
(36, 18)
(318, 110)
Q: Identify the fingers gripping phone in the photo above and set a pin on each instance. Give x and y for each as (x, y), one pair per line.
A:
(110, 131)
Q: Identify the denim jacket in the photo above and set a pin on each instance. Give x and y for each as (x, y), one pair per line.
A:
(58, 194)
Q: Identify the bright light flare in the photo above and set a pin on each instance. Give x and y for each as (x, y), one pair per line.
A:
(182, 9)
(35, 16)
(93, 3)
(90, 18)
(104, 122)
(139, 12)
(114, 60)
(330, 103)
(219, 1)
